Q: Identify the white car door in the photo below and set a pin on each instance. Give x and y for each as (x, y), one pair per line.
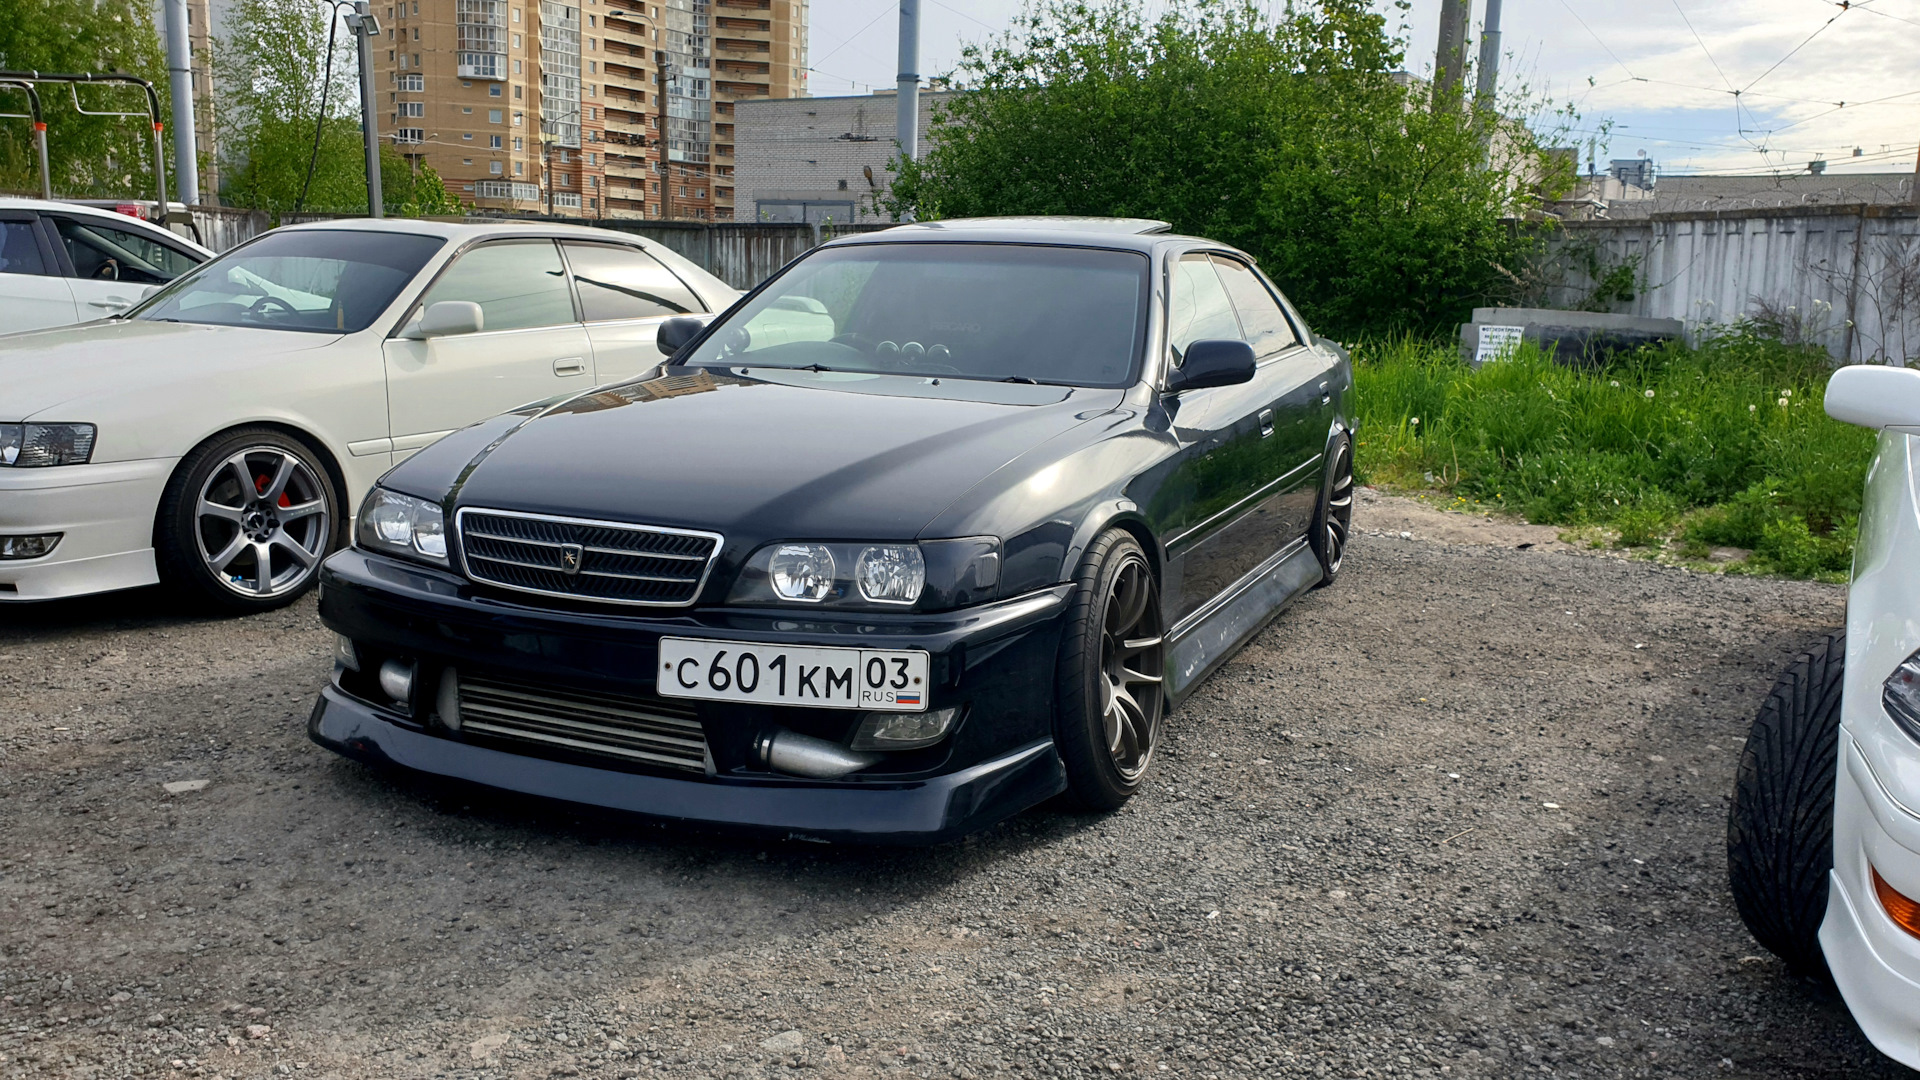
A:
(530, 345)
(32, 292)
(114, 268)
(625, 294)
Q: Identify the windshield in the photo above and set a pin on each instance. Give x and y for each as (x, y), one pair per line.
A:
(1012, 312)
(323, 281)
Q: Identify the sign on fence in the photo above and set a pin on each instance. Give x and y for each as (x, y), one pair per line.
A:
(1497, 343)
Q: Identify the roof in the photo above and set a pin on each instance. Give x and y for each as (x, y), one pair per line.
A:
(1681, 194)
(113, 217)
(459, 230)
(1130, 234)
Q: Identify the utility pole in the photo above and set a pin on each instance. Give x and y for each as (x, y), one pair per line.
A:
(1450, 58)
(186, 166)
(366, 27)
(666, 154)
(1487, 79)
(907, 126)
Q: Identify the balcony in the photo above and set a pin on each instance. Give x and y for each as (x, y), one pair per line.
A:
(742, 45)
(745, 5)
(741, 89)
(508, 190)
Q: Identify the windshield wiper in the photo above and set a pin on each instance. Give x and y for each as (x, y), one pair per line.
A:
(813, 367)
(1020, 379)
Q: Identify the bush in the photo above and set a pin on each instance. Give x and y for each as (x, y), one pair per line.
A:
(1728, 437)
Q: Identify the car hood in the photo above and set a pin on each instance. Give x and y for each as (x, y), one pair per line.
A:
(770, 455)
(66, 366)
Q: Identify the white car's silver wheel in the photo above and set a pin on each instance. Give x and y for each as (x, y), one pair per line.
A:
(247, 519)
(263, 522)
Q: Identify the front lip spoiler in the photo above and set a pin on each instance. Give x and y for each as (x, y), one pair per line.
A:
(912, 812)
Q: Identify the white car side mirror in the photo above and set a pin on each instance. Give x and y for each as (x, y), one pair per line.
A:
(449, 317)
(1876, 396)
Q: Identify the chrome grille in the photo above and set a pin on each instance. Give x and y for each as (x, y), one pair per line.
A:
(618, 563)
(645, 730)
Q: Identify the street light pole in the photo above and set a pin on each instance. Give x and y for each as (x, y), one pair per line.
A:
(666, 154)
(366, 27)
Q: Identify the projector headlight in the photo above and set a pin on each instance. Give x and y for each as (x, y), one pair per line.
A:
(32, 446)
(397, 524)
(932, 575)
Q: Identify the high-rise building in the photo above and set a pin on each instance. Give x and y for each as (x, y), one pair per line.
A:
(530, 105)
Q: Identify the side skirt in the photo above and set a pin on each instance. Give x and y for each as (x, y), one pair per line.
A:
(1204, 640)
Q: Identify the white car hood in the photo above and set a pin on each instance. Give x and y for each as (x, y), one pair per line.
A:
(68, 367)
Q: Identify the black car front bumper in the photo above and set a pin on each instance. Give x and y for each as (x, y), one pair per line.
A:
(994, 661)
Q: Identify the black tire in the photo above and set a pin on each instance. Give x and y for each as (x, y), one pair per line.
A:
(1107, 645)
(1780, 829)
(1333, 514)
(296, 518)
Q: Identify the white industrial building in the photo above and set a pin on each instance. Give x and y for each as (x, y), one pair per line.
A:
(818, 159)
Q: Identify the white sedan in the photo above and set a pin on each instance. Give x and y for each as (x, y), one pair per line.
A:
(1823, 844)
(63, 263)
(217, 437)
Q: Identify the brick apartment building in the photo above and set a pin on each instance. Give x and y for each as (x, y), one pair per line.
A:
(522, 105)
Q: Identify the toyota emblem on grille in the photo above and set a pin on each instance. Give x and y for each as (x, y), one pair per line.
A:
(570, 556)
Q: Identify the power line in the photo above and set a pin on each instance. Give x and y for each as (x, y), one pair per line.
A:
(1796, 48)
(884, 12)
(1704, 49)
(1596, 37)
(966, 16)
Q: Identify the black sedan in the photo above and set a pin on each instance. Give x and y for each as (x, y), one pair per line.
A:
(934, 525)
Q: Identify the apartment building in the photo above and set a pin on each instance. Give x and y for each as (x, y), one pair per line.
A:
(531, 106)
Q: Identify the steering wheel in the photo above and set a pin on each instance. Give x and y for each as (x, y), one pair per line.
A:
(108, 270)
(260, 306)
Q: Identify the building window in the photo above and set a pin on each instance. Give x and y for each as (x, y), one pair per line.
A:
(403, 59)
(409, 135)
(466, 161)
(516, 118)
(518, 143)
(416, 84)
(494, 91)
(494, 141)
(519, 168)
(516, 14)
(566, 180)
(516, 71)
(467, 135)
(516, 41)
(591, 20)
(593, 68)
(493, 116)
(494, 167)
(593, 183)
(413, 108)
(593, 44)
(416, 33)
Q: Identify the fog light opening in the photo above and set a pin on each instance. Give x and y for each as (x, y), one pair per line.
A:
(447, 705)
(803, 755)
(396, 681)
(30, 546)
(344, 653)
(904, 730)
(1903, 910)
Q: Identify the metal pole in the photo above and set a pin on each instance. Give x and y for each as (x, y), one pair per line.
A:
(165, 210)
(908, 124)
(186, 166)
(1487, 79)
(666, 167)
(365, 26)
(1449, 60)
(40, 145)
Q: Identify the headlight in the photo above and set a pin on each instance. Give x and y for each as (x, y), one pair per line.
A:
(30, 446)
(933, 574)
(402, 525)
(1900, 695)
(801, 572)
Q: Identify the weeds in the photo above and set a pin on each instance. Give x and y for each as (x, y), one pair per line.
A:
(1722, 445)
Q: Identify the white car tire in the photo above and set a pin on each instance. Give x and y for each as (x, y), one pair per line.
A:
(1780, 829)
(246, 520)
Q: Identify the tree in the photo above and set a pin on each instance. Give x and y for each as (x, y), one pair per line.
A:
(408, 189)
(95, 156)
(273, 69)
(1291, 137)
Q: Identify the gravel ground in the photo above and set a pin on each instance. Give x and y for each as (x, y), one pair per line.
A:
(1461, 814)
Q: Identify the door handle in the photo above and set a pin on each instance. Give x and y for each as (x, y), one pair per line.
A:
(1325, 397)
(111, 303)
(570, 365)
(1266, 422)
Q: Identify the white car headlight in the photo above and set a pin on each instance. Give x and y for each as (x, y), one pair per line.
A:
(933, 575)
(402, 525)
(802, 572)
(890, 573)
(30, 446)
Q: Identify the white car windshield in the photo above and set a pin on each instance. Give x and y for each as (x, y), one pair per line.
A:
(1008, 312)
(317, 280)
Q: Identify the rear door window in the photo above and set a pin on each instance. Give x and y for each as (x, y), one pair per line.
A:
(20, 248)
(618, 282)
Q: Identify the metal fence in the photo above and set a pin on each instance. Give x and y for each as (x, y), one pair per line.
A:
(742, 254)
(1844, 277)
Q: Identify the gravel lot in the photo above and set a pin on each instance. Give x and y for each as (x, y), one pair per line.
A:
(1461, 814)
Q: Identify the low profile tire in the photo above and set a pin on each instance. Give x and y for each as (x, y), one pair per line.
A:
(1333, 514)
(1780, 830)
(246, 520)
(1110, 695)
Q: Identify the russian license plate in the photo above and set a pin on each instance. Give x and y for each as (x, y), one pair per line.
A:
(885, 680)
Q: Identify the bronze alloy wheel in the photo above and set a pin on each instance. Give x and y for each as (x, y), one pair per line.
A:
(262, 521)
(1131, 661)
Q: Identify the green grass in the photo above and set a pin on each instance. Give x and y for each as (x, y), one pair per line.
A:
(1723, 444)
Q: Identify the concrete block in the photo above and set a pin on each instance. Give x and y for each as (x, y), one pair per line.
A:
(1573, 337)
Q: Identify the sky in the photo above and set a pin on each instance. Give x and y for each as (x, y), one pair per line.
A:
(1815, 80)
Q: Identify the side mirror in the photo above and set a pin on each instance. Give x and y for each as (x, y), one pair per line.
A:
(674, 334)
(1876, 396)
(450, 317)
(1213, 363)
